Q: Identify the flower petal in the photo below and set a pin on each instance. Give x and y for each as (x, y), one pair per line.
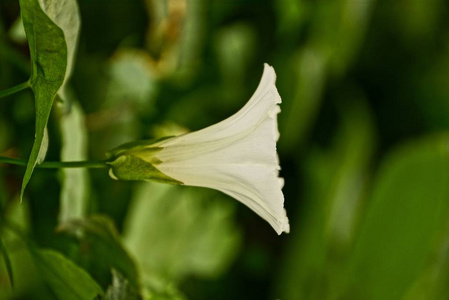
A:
(236, 156)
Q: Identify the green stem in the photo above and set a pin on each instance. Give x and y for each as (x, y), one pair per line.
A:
(15, 89)
(57, 164)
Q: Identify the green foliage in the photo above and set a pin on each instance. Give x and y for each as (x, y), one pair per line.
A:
(363, 148)
(408, 208)
(27, 279)
(172, 232)
(120, 288)
(103, 248)
(65, 279)
(7, 260)
(131, 79)
(48, 51)
(336, 179)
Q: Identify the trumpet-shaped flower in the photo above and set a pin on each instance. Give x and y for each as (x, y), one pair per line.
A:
(236, 156)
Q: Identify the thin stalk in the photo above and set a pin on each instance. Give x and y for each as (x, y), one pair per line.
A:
(57, 164)
(15, 89)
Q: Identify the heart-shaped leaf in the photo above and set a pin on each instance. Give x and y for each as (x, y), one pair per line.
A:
(51, 28)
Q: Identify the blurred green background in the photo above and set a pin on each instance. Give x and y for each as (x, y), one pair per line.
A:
(364, 149)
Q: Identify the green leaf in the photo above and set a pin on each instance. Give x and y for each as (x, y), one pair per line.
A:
(408, 209)
(120, 289)
(235, 46)
(51, 28)
(74, 190)
(102, 247)
(65, 14)
(7, 261)
(329, 53)
(27, 278)
(17, 32)
(132, 80)
(177, 231)
(65, 279)
(336, 179)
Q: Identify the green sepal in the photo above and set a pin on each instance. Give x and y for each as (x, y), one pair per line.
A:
(132, 147)
(130, 167)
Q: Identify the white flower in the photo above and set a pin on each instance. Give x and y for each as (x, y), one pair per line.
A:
(236, 156)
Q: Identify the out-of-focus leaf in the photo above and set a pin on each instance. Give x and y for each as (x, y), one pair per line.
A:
(132, 79)
(74, 190)
(5, 134)
(120, 289)
(175, 296)
(51, 29)
(431, 91)
(347, 35)
(409, 207)
(292, 15)
(129, 94)
(104, 249)
(65, 279)
(336, 180)
(310, 73)
(17, 260)
(17, 32)
(172, 233)
(331, 49)
(355, 144)
(235, 46)
(27, 280)
(416, 21)
(432, 282)
(7, 260)
(20, 215)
